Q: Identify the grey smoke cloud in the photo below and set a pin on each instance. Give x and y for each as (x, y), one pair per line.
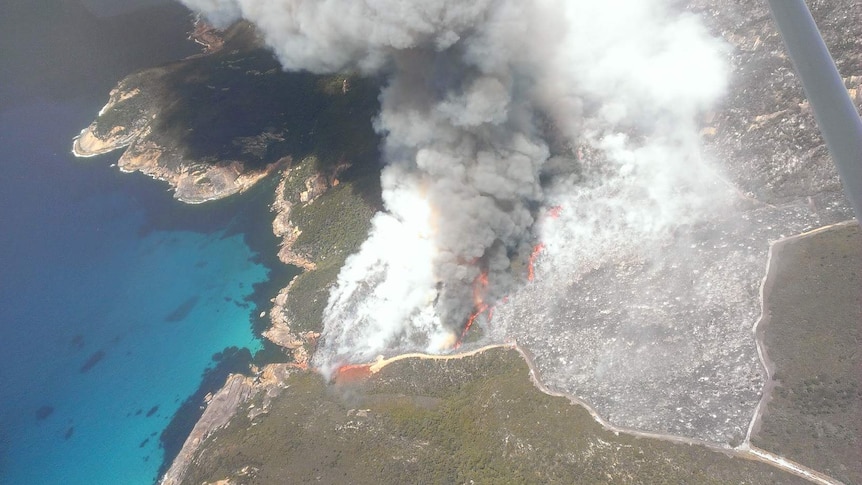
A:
(477, 93)
(330, 35)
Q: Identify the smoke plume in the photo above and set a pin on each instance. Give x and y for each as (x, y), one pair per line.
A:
(489, 109)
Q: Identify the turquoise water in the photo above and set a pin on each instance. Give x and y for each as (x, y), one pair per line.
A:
(106, 328)
(114, 298)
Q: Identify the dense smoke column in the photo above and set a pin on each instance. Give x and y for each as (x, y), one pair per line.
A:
(459, 143)
(463, 159)
(474, 89)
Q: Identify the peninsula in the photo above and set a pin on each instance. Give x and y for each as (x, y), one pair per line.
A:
(706, 393)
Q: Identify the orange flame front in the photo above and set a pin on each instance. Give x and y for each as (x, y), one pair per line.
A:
(480, 284)
(530, 266)
(352, 373)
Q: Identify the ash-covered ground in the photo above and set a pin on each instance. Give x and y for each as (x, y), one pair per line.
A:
(654, 328)
(595, 166)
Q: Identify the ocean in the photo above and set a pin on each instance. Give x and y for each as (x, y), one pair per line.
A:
(119, 307)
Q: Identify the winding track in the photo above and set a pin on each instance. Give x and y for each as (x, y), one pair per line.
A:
(745, 450)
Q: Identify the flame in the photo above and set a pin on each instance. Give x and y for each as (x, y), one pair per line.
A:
(555, 211)
(473, 316)
(535, 254)
(480, 284)
(352, 373)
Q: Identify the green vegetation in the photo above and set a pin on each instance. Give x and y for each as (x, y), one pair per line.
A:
(333, 227)
(473, 420)
(238, 105)
(308, 296)
(132, 114)
(813, 336)
(335, 224)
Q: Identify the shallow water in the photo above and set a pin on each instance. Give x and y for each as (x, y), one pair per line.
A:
(114, 298)
(106, 329)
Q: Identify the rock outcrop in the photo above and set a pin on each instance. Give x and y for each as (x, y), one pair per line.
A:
(155, 114)
(300, 186)
(215, 124)
(222, 407)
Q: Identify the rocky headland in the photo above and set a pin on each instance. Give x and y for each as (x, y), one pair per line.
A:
(216, 124)
(139, 116)
(264, 384)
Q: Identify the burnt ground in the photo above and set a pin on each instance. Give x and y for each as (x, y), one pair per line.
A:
(656, 333)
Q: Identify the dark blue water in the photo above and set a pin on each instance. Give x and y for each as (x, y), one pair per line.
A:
(105, 330)
(111, 308)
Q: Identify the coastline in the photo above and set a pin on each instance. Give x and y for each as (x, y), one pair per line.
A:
(225, 178)
(744, 450)
(222, 406)
(79, 152)
(240, 389)
(279, 333)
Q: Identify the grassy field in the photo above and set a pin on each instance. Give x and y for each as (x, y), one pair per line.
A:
(813, 338)
(473, 420)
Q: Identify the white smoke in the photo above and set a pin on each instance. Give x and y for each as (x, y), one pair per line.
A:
(477, 94)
